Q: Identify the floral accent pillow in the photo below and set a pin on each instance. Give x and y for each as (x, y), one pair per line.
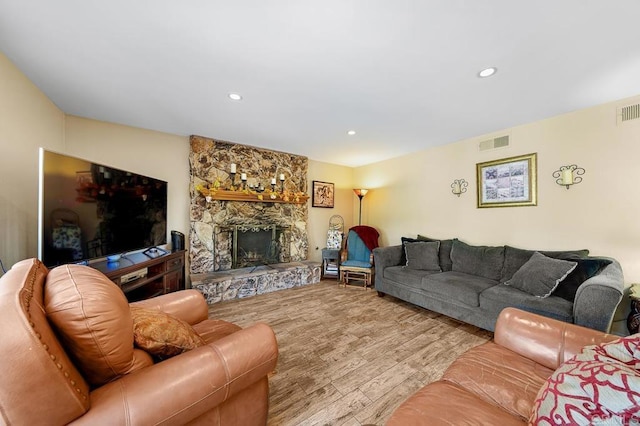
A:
(599, 386)
(161, 334)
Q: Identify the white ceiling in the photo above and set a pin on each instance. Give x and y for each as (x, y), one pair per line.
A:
(401, 73)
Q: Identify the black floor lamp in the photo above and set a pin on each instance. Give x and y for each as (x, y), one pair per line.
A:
(360, 193)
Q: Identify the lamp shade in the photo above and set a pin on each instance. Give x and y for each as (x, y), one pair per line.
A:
(361, 192)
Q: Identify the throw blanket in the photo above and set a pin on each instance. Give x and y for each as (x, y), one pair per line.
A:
(368, 235)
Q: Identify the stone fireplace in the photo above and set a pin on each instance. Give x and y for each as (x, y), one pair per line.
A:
(232, 241)
(211, 245)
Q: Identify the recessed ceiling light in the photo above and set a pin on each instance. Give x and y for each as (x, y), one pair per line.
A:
(351, 132)
(235, 97)
(487, 72)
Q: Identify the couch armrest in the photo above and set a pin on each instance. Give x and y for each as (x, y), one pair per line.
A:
(184, 387)
(387, 256)
(383, 257)
(544, 340)
(188, 305)
(597, 298)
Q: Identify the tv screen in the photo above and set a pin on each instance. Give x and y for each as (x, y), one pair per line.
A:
(89, 210)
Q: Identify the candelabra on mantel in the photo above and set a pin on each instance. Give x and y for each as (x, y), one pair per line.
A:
(233, 175)
(250, 192)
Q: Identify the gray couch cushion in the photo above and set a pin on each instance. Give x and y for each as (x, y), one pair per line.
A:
(541, 275)
(444, 253)
(498, 297)
(423, 255)
(514, 258)
(484, 261)
(406, 276)
(458, 286)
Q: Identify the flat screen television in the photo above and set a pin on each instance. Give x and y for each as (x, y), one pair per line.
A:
(88, 210)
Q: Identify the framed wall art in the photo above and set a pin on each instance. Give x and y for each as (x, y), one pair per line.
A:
(508, 182)
(323, 194)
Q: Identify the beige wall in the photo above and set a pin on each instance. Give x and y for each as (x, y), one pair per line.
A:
(318, 223)
(28, 120)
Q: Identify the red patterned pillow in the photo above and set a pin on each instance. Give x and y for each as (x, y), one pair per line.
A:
(600, 385)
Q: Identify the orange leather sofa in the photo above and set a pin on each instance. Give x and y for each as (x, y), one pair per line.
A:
(222, 382)
(496, 383)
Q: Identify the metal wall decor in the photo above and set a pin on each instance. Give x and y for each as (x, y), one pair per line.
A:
(569, 175)
(459, 186)
(508, 182)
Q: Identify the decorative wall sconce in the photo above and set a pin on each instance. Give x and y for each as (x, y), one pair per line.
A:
(459, 186)
(568, 175)
(360, 193)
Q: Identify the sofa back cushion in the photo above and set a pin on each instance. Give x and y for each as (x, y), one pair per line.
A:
(92, 317)
(484, 261)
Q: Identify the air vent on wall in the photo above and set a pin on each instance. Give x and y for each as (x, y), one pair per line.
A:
(629, 112)
(501, 142)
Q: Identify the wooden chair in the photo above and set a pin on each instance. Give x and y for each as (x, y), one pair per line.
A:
(356, 261)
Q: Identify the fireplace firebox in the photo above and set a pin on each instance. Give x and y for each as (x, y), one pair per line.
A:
(255, 245)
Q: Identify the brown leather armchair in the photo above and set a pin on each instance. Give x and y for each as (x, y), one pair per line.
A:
(223, 382)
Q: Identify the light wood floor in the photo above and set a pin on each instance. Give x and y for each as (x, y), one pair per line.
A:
(347, 356)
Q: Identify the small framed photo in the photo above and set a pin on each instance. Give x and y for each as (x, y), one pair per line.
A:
(508, 182)
(323, 194)
(84, 178)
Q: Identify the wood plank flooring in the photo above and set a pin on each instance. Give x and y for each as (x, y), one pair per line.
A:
(347, 356)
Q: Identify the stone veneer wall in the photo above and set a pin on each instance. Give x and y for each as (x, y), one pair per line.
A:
(210, 159)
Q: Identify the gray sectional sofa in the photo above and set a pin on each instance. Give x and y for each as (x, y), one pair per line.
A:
(474, 283)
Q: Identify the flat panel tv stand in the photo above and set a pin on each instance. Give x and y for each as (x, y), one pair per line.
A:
(141, 277)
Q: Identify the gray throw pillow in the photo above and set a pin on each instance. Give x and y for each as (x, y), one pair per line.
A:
(514, 258)
(423, 256)
(483, 261)
(445, 251)
(540, 275)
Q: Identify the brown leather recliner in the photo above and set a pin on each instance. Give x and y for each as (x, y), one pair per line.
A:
(496, 383)
(223, 382)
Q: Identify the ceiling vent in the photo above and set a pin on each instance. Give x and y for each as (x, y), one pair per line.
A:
(501, 142)
(628, 113)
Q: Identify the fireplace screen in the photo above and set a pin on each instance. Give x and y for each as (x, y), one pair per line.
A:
(254, 245)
